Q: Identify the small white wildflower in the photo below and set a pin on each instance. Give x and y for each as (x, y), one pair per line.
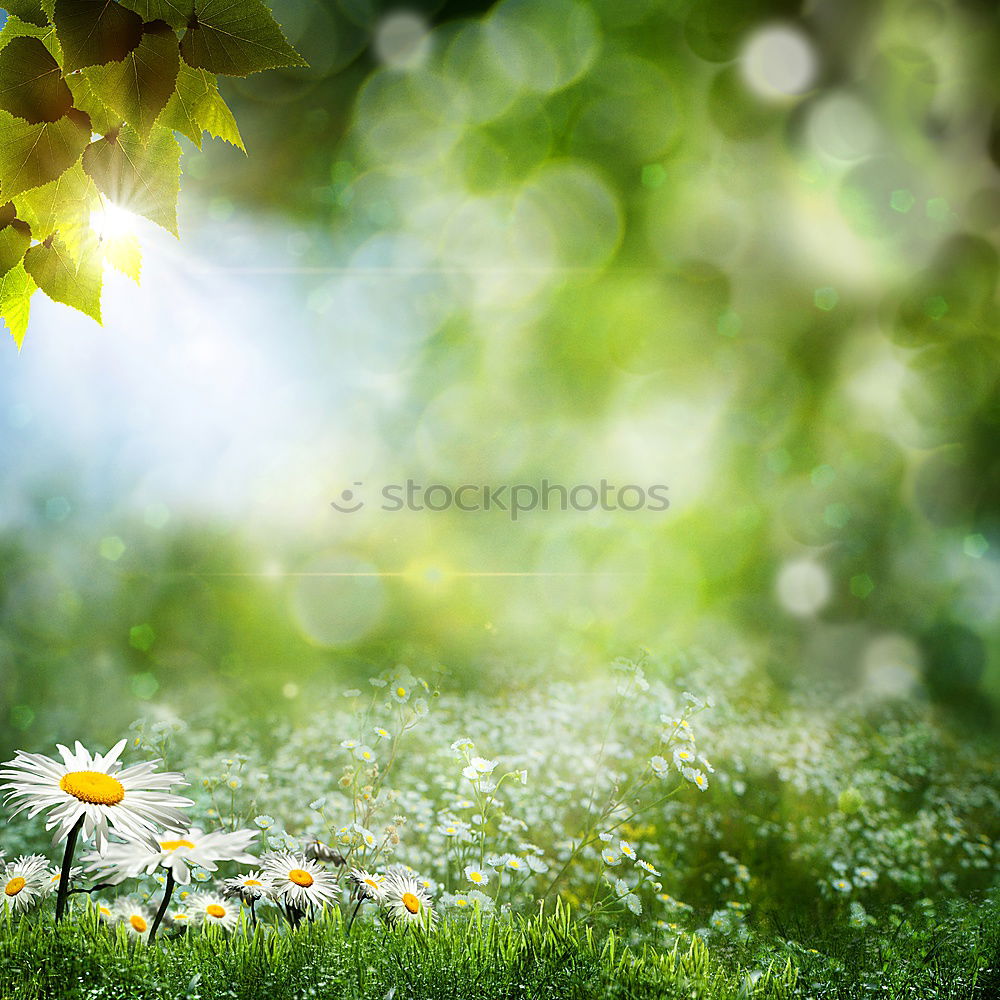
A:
(610, 856)
(476, 875)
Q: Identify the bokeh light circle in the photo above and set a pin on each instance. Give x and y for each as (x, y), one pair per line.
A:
(778, 61)
(803, 587)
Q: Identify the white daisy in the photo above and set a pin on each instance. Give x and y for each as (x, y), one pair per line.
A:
(627, 849)
(133, 916)
(178, 851)
(249, 887)
(610, 856)
(367, 884)
(209, 909)
(406, 901)
(95, 790)
(26, 882)
(476, 875)
(297, 880)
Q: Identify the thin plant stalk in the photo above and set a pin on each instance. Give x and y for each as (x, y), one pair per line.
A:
(168, 891)
(67, 865)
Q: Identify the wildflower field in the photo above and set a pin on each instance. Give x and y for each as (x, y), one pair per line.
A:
(575, 840)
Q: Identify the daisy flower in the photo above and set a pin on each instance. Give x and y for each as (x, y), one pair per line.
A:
(646, 866)
(610, 856)
(298, 881)
(26, 882)
(627, 849)
(178, 852)
(249, 887)
(94, 791)
(134, 917)
(406, 901)
(476, 875)
(659, 765)
(366, 884)
(209, 909)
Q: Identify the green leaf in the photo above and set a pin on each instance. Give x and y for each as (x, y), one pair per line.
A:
(8, 213)
(197, 106)
(31, 83)
(27, 10)
(32, 155)
(175, 12)
(139, 86)
(236, 39)
(217, 120)
(64, 204)
(141, 177)
(75, 283)
(16, 28)
(124, 254)
(102, 119)
(94, 32)
(16, 289)
(181, 112)
(15, 238)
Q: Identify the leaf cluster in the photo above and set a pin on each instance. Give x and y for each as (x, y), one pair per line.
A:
(92, 95)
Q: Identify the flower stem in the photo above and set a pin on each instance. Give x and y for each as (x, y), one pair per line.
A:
(66, 866)
(168, 891)
(350, 923)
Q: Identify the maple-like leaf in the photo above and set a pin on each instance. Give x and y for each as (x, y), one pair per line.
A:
(102, 118)
(64, 278)
(124, 254)
(236, 39)
(32, 155)
(16, 289)
(197, 107)
(139, 86)
(176, 13)
(31, 83)
(143, 177)
(15, 238)
(94, 32)
(64, 204)
(31, 11)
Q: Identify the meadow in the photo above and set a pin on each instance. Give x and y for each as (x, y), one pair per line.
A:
(625, 837)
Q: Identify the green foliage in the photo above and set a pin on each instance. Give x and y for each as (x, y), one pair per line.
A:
(143, 175)
(91, 93)
(236, 39)
(947, 956)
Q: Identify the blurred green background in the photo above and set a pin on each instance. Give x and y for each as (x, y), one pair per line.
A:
(743, 248)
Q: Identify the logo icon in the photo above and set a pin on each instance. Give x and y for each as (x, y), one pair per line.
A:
(348, 497)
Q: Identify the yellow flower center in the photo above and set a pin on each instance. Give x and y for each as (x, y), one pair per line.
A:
(401, 692)
(251, 881)
(138, 924)
(411, 902)
(94, 787)
(172, 845)
(15, 885)
(300, 877)
(475, 876)
(214, 910)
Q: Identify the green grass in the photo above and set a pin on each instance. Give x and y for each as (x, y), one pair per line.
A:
(954, 956)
